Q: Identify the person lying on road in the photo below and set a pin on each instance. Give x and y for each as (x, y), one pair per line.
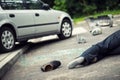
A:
(110, 45)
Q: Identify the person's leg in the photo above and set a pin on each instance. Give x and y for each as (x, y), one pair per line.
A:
(115, 51)
(88, 56)
(101, 49)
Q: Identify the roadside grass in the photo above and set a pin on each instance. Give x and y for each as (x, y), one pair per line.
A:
(82, 18)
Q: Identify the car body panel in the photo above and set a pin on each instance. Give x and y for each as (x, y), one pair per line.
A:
(22, 19)
(27, 25)
(46, 21)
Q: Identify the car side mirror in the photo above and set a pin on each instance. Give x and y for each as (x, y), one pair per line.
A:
(45, 7)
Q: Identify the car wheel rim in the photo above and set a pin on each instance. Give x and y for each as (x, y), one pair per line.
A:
(7, 39)
(66, 29)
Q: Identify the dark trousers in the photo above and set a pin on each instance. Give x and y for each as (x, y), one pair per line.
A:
(110, 45)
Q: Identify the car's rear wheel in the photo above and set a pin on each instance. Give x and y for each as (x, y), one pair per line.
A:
(66, 29)
(7, 39)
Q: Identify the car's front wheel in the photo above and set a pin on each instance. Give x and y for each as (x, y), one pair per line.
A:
(7, 39)
(66, 29)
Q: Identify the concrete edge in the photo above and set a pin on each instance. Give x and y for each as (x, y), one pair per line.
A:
(9, 61)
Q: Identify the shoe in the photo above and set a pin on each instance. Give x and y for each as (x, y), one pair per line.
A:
(75, 62)
(50, 66)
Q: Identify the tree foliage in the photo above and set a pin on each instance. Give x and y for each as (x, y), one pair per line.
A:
(60, 5)
(84, 7)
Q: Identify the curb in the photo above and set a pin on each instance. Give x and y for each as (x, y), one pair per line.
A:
(10, 60)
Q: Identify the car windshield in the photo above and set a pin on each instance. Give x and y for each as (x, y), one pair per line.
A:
(21, 4)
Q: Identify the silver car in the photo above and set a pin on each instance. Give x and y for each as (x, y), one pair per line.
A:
(21, 20)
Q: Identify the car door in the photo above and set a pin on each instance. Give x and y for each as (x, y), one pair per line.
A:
(20, 17)
(23, 20)
(46, 21)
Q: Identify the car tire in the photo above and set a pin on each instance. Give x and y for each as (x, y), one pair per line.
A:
(7, 39)
(66, 29)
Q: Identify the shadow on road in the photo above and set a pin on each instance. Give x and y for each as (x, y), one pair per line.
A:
(39, 44)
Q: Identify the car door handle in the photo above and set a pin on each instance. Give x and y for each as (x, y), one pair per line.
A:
(12, 15)
(37, 14)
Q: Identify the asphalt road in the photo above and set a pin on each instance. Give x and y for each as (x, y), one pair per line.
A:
(43, 50)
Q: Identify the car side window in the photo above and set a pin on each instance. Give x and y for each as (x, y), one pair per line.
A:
(34, 4)
(12, 4)
(21, 4)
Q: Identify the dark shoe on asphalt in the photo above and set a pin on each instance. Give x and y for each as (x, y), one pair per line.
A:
(50, 66)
